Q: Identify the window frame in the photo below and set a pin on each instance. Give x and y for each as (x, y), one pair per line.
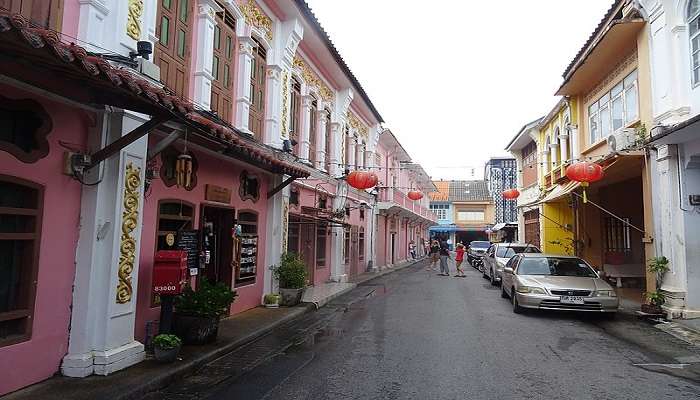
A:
(40, 134)
(321, 238)
(155, 300)
(690, 18)
(31, 276)
(594, 108)
(250, 280)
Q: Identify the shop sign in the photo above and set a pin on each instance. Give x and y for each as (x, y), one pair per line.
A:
(218, 194)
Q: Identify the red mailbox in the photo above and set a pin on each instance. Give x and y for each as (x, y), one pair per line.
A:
(169, 272)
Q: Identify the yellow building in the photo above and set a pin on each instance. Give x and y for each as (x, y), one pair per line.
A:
(606, 92)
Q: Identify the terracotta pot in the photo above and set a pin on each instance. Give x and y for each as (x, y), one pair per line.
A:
(652, 309)
(193, 329)
(290, 297)
(166, 355)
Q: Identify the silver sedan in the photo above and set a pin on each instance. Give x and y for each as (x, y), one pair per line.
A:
(554, 282)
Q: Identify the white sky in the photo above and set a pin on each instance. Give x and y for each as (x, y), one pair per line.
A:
(455, 80)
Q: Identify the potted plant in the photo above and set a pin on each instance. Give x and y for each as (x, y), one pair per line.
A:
(658, 266)
(291, 274)
(271, 300)
(166, 347)
(197, 312)
(656, 300)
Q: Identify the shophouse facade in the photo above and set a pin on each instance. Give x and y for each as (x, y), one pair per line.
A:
(200, 146)
(441, 206)
(473, 210)
(500, 173)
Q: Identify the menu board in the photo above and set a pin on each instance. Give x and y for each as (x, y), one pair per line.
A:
(189, 242)
(248, 253)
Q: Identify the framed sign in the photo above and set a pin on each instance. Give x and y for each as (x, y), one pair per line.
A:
(218, 194)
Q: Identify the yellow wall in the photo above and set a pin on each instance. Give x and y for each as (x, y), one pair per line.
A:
(557, 119)
(557, 213)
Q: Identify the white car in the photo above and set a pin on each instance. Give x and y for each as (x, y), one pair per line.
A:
(498, 255)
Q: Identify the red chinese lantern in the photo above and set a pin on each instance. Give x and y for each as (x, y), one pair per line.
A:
(362, 179)
(511, 194)
(415, 195)
(585, 173)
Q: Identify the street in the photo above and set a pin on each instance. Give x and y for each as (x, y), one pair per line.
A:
(417, 335)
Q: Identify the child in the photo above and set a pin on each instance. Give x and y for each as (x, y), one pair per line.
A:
(459, 259)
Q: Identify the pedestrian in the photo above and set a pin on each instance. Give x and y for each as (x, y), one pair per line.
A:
(412, 249)
(444, 256)
(459, 258)
(434, 255)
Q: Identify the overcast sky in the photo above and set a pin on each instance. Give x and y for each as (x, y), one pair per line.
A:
(456, 79)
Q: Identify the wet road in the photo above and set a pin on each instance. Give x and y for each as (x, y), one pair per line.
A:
(423, 336)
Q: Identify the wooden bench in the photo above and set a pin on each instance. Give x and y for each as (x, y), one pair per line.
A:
(624, 271)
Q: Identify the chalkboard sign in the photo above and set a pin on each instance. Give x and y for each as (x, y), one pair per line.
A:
(248, 257)
(189, 242)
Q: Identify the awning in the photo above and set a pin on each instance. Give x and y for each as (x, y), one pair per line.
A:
(442, 228)
(559, 191)
(502, 225)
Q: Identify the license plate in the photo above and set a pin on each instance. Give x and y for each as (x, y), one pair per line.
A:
(571, 300)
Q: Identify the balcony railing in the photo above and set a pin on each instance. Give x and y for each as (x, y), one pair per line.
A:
(399, 198)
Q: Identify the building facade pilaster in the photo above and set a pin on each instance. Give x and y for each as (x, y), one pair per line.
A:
(304, 136)
(204, 52)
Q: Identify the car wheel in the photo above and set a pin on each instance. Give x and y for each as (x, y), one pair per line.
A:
(504, 294)
(494, 282)
(516, 307)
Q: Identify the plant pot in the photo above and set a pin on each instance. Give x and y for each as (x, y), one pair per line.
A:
(652, 309)
(290, 297)
(193, 329)
(166, 355)
(272, 305)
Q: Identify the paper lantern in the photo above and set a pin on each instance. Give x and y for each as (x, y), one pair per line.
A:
(585, 173)
(415, 195)
(362, 179)
(511, 194)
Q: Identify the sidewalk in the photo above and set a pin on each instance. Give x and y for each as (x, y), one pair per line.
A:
(234, 332)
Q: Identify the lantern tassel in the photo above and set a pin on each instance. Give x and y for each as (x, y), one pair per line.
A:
(585, 197)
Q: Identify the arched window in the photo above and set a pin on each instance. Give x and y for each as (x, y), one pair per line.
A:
(693, 15)
(547, 157)
(329, 143)
(569, 140)
(556, 154)
(313, 121)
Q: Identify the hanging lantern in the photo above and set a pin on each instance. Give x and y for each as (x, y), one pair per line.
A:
(511, 194)
(585, 173)
(415, 195)
(183, 170)
(362, 179)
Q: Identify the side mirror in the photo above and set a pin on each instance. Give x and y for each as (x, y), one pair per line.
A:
(508, 270)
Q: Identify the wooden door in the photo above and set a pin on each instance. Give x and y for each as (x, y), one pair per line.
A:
(174, 25)
(295, 111)
(313, 121)
(257, 91)
(307, 242)
(43, 13)
(532, 227)
(354, 252)
(222, 65)
(216, 226)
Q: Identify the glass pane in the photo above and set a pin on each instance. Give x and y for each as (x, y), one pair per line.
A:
(215, 67)
(164, 30)
(593, 108)
(184, 10)
(16, 256)
(593, 126)
(17, 196)
(617, 113)
(181, 43)
(167, 4)
(696, 76)
(631, 79)
(217, 37)
(631, 106)
(694, 25)
(605, 99)
(616, 90)
(604, 121)
(229, 46)
(226, 76)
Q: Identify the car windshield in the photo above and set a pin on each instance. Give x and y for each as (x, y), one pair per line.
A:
(480, 245)
(510, 251)
(555, 266)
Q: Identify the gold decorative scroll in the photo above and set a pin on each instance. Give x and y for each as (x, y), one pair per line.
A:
(357, 125)
(127, 245)
(312, 79)
(255, 17)
(285, 225)
(133, 24)
(285, 108)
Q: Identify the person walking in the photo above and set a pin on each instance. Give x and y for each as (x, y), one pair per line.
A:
(434, 255)
(459, 258)
(412, 249)
(444, 256)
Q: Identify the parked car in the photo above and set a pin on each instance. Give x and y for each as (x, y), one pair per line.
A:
(554, 282)
(498, 255)
(476, 251)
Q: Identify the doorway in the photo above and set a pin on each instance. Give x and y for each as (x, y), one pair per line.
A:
(307, 239)
(393, 248)
(217, 225)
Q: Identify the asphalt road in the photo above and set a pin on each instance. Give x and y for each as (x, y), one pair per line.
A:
(423, 336)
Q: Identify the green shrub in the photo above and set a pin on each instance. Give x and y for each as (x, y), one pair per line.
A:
(291, 273)
(167, 342)
(658, 265)
(209, 300)
(271, 298)
(656, 298)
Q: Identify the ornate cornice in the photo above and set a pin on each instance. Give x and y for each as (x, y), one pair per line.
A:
(313, 80)
(256, 17)
(357, 125)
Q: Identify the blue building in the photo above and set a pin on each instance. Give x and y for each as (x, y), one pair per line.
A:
(500, 174)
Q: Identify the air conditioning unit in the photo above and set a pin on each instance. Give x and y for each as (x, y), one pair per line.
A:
(621, 140)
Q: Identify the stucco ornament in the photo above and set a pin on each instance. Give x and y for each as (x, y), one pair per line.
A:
(127, 246)
(312, 79)
(285, 224)
(255, 17)
(285, 107)
(357, 125)
(133, 24)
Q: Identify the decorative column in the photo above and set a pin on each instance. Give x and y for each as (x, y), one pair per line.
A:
(573, 141)
(106, 280)
(350, 153)
(554, 154)
(304, 139)
(245, 72)
(204, 52)
(276, 232)
(564, 140)
(321, 140)
(277, 105)
(336, 158)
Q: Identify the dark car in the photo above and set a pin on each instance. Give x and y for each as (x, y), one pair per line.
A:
(476, 251)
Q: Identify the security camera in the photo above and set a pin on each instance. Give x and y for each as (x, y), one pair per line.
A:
(144, 49)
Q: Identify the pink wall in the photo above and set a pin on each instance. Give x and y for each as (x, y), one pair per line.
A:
(40, 357)
(71, 17)
(210, 171)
